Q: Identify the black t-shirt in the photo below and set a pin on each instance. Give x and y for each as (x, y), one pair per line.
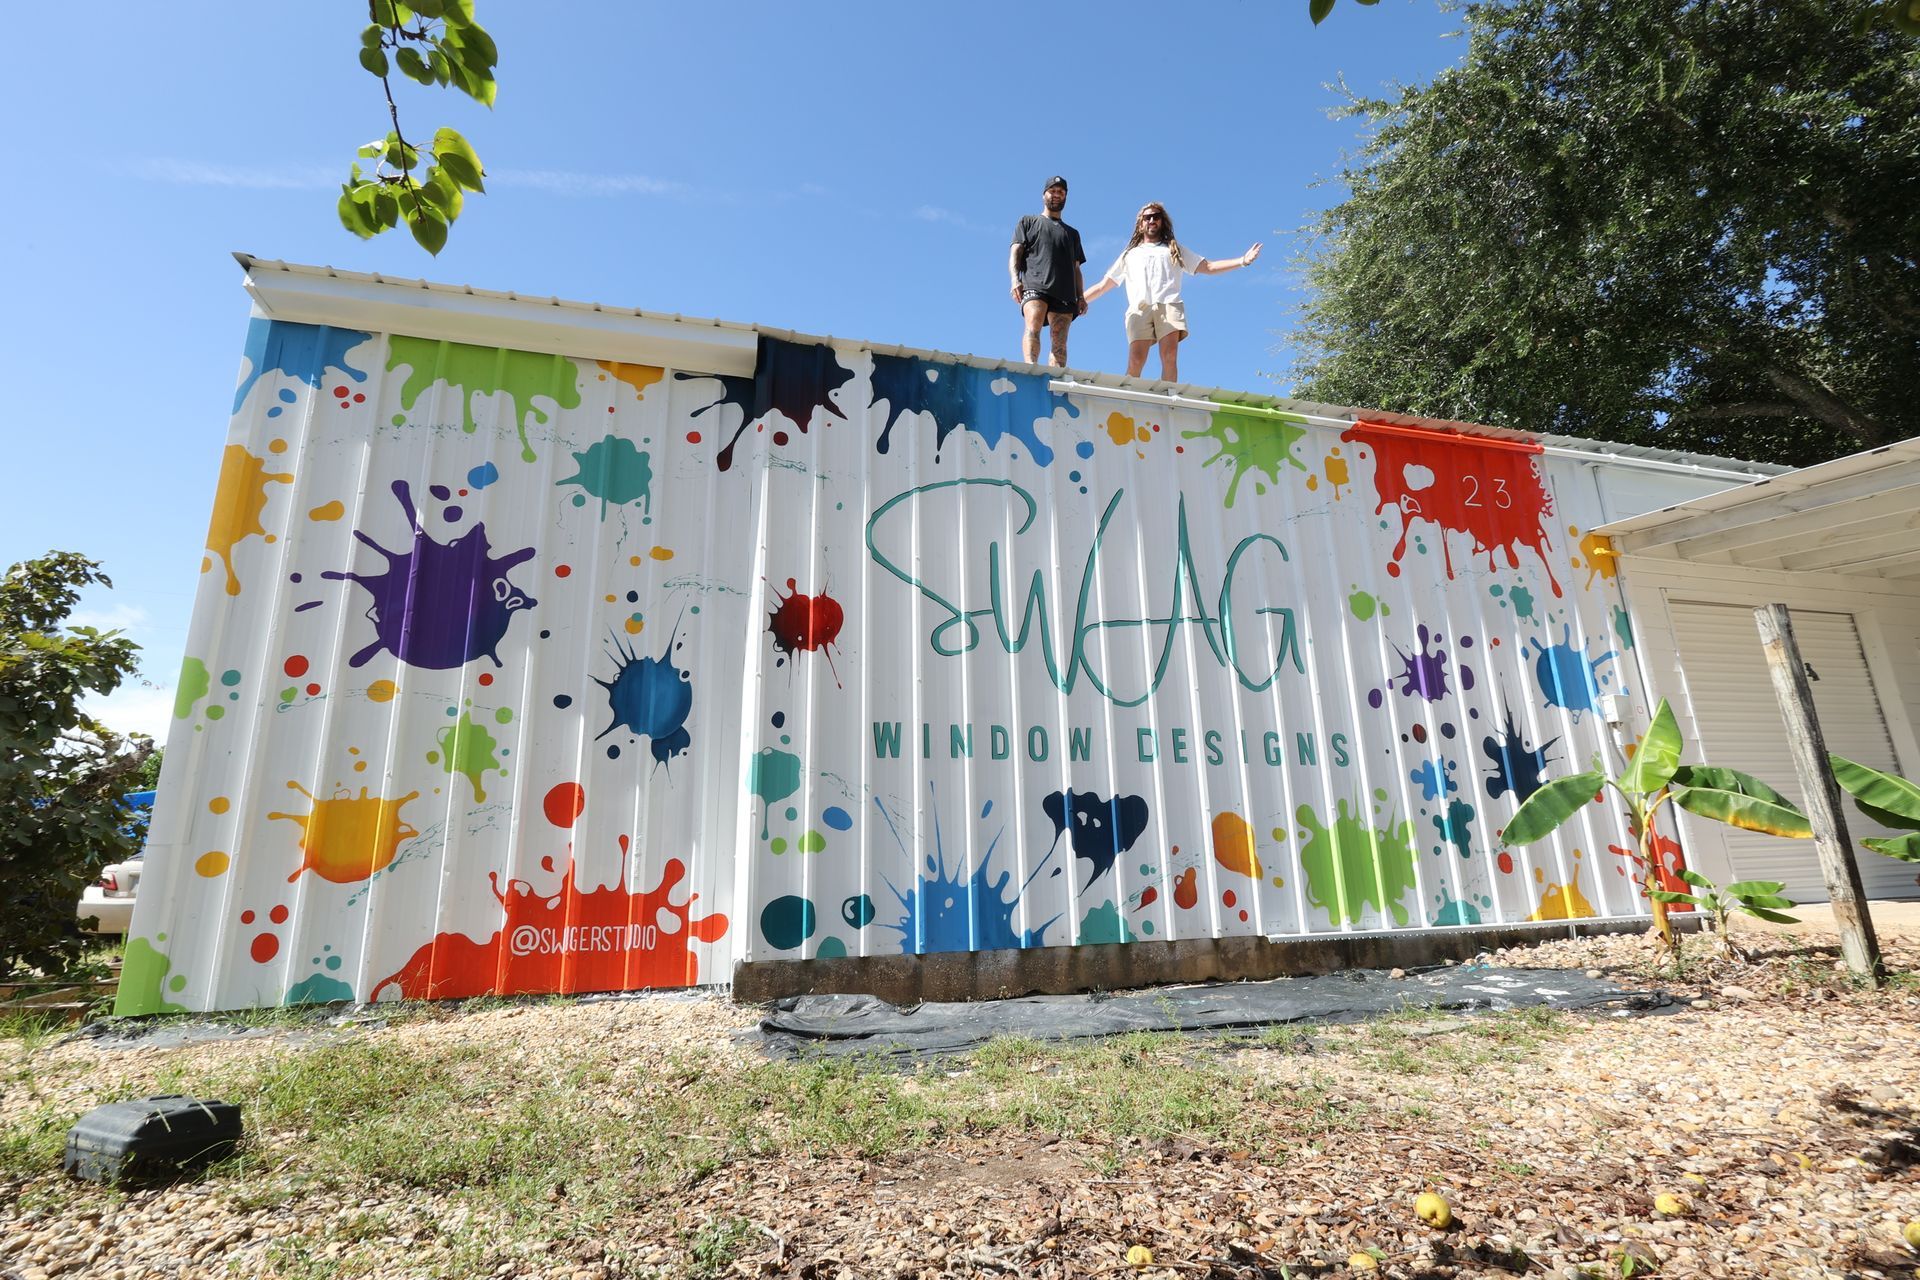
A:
(1053, 250)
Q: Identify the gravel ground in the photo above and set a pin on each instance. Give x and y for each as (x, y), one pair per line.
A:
(1780, 1104)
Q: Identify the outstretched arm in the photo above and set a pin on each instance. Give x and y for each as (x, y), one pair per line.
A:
(1209, 267)
(1106, 283)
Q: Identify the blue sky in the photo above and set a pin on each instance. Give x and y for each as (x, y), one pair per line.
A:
(845, 169)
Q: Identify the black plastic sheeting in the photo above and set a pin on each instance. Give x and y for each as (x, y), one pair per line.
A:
(848, 1025)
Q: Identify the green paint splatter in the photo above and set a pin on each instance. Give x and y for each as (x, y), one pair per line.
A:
(1351, 866)
(778, 844)
(519, 375)
(1104, 924)
(1362, 605)
(503, 716)
(612, 470)
(215, 711)
(143, 971)
(1623, 627)
(831, 948)
(193, 686)
(775, 776)
(318, 989)
(1522, 602)
(1253, 440)
(467, 748)
(812, 842)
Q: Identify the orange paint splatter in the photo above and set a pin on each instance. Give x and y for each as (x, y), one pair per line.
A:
(1233, 846)
(328, 511)
(345, 839)
(605, 939)
(1337, 473)
(381, 691)
(637, 376)
(1601, 560)
(661, 553)
(1186, 890)
(219, 804)
(237, 507)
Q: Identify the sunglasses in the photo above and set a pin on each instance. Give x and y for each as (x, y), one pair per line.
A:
(1149, 217)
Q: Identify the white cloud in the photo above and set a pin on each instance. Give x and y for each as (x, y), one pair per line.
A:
(135, 708)
(194, 173)
(567, 182)
(112, 617)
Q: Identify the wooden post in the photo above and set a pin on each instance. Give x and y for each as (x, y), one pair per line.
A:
(1848, 900)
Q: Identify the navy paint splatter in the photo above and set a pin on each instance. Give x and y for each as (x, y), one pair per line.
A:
(1101, 830)
(737, 392)
(439, 605)
(1516, 767)
(650, 698)
(793, 379)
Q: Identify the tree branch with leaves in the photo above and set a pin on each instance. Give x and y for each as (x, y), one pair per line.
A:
(435, 43)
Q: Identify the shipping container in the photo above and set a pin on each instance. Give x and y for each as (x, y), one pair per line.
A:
(543, 646)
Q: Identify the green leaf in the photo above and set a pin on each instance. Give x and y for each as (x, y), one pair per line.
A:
(1712, 778)
(371, 37)
(1695, 879)
(1318, 10)
(437, 61)
(443, 193)
(355, 216)
(479, 45)
(1775, 916)
(429, 8)
(458, 159)
(428, 227)
(1736, 804)
(1669, 895)
(377, 147)
(1905, 848)
(1889, 800)
(1657, 757)
(1546, 809)
(1745, 888)
(375, 61)
(386, 207)
(413, 66)
(391, 13)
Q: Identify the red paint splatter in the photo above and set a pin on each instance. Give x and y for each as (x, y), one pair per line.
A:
(1489, 489)
(1226, 898)
(1147, 897)
(265, 947)
(312, 690)
(246, 917)
(1243, 915)
(278, 915)
(562, 570)
(1186, 892)
(779, 437)
(806, 622)
(1419, 733)
(1506, 863)
(1668, 862)
(693, 437)
(564, 803)
(486, 677)
(340, 392)
(602, 940)
(295, 666)
(358, 398)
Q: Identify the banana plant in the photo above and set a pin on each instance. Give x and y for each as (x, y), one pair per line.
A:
(1656, 777)
(1889, 800)
(1761, 898)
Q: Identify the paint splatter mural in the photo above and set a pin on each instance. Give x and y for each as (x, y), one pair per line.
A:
(513, 671)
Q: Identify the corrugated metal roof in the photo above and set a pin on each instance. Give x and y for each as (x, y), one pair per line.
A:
(1857, 515)
(531, 306)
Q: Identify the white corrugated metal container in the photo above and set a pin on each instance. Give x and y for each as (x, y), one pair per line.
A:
(544, 647)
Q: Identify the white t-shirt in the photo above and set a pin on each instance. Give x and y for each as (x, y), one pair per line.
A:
(1148, 272)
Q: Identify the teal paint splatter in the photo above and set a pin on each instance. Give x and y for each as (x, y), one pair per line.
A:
(1104, 924)
(616, 472)
(319, 988)
(831, 948)
(774, 775)
(787, 922)
(1454, 826)
(1623, 627)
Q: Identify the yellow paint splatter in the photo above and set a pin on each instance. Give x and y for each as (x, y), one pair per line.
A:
(237, 507)
(1313, 482)
(219, 804)
(214, 863)
(637, 376)
(1601, 559)
(328, 511)
(347, 838)
(661, 553)
(382, 690)
(634, 561)
(1564, 902)
(277, 446)
(635, 626)
(1233, 844)
(1337, 473)
(1123, 430)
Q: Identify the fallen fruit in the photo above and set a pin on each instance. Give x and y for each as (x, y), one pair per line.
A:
(1911, 1234)
(1671, 1205)
(1433, 1209)
(1363, 1262)
(1139, 1256)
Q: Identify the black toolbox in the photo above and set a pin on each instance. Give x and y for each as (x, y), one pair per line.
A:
(151, 1138)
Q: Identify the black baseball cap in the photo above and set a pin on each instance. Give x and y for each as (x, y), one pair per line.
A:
(1055, 181)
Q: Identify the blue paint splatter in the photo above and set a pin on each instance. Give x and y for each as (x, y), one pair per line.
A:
(945, 913)
(439, 605)
(1567, 677)
(1101, 830)
(1516, 767)
(1084, 448)
(650, 698)
(303, 351)
(960, 395)
(482, 476)
(837, 818)
(1435, 781)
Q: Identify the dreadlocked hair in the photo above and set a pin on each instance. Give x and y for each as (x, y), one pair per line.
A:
(1166, 223)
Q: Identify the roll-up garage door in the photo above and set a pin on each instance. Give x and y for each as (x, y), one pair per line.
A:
(1740, 727)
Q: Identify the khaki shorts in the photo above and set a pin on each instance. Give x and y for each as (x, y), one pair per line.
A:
(1152, 321)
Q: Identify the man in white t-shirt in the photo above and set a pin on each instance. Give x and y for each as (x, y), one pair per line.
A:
(1152, 266)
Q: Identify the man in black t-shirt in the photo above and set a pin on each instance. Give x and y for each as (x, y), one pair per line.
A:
(1045, 266)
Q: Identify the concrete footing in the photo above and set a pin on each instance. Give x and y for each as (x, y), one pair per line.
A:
(992, 975)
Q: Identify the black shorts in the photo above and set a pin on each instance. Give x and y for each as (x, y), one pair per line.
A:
(1055, 307)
